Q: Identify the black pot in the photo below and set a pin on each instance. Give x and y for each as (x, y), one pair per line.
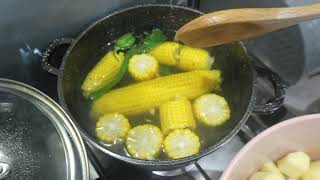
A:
(90, 45)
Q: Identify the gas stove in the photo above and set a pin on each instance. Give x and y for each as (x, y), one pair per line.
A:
(292, 53)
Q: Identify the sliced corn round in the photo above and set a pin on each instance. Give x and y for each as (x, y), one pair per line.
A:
(181, 143)
(176, 114)
(112, 128)
(167, 53)
(194, 59)
(212, 110)
(144, 141)
(143, 67)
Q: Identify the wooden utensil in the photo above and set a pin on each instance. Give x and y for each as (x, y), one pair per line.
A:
(227, 26)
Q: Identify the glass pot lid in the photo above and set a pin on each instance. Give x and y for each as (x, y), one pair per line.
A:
(37, 138)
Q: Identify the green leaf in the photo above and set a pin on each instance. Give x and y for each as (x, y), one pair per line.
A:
(126, 41)
(152, 40)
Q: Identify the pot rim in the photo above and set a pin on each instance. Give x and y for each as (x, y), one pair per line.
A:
(67, 130)
(131, 160)
(262, 135)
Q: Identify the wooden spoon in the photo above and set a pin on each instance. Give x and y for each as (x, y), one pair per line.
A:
(238, 24)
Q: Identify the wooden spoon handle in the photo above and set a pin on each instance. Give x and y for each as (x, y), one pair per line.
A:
(237, 24)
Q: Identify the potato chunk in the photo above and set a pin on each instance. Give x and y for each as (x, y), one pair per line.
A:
(270, 167)
(294, 164)
(267, 176)
(290, 178)
(313, 173)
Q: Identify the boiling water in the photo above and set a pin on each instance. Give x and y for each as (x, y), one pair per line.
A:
(208, 135)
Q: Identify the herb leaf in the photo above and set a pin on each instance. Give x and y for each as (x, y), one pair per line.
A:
(126, 41)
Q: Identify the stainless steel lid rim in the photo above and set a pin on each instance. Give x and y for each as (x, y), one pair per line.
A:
(66, 128)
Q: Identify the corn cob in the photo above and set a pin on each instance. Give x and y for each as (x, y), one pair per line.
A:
(194, 59)
(141, 97)
(144, 141)
(102, 73)
(167, 53)
(112, 128)
(181, 143)
(143, 67)
(212, 110)
(176, 114)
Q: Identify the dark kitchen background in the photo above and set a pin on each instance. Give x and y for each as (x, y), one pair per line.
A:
(28, 26)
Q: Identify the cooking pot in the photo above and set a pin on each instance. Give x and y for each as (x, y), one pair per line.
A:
(90, 45)
(297, 134)
(38, 140)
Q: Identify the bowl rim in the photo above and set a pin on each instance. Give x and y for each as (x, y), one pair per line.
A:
(289, 122)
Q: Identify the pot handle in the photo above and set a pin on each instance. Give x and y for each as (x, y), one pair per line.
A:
(51, 60)
(279, 92)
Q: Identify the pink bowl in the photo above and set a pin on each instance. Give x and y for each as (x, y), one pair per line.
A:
(296, 134)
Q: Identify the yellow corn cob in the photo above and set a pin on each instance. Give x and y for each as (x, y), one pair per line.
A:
(112, 128)
(141, 97)
(167, 53)
(176, 114)
(194, 59)
(143, 67)
(144, 141)
(181, 143)
(212, 110)
(102, 73)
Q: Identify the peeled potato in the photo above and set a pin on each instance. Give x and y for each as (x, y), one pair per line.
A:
(270, 167)
(267, 176)
(313, 173)
(294, 164)
(289, 178)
